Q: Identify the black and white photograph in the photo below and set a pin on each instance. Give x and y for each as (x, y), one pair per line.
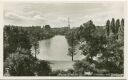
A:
(63, 39)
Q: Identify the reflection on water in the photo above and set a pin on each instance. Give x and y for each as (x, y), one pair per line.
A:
(55, 49)
(47, 43)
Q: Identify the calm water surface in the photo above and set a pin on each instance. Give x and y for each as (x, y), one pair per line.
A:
(55, 50)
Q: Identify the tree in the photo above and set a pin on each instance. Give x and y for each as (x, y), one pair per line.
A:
(122, 22)
(47, 27)
(18, 58)
(108, 27)
(15, 39)
(34, 38)
(117, 27)
(20, 65)
(80, 67)
(35, 44)
(113, 26)
(36, 47)
(88, 31)
(108, 50)
(71, 52)
(113, 55)
(72, 43)
(121, 31)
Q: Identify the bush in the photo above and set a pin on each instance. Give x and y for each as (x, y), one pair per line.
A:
(43, 68)
(20, 65)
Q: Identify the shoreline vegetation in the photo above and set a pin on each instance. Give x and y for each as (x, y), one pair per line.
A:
(102, 47)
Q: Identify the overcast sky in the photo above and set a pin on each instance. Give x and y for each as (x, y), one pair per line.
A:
(56, 14)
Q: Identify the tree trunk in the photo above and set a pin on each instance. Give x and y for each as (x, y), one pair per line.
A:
(72, 57)
(35, 52)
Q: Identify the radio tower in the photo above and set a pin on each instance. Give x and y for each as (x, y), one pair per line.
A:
(68, 23)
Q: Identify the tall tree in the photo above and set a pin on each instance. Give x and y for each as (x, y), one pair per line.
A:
(108, 27)
(122, 21)
(121, 31)
(117, 25)
(113, 26)
(72, 42)
(122, 24)
(71, 52)
(36, 47)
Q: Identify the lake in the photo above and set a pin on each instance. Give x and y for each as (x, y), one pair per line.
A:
(55, 50)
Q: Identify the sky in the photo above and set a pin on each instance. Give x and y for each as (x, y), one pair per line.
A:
(56, 14)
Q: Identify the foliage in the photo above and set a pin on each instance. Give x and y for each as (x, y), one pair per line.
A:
(72, 43)
(20, 65)
(71, 52)
(43, 68)
(108, 27)
(15, 39)
(102, 47)
(105, 43)
(80, 67)
(18, 58)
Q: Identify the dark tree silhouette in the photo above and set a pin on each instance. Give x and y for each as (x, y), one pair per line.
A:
(108, 27)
